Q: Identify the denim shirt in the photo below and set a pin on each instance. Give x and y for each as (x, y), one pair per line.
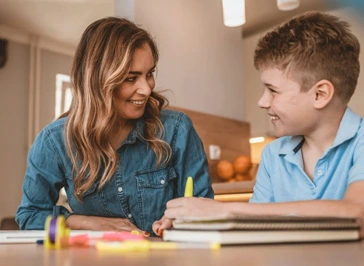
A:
(138, 190)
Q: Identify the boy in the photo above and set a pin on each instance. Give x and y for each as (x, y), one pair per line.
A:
(309, 67)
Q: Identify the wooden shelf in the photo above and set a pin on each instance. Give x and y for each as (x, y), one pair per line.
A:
(233, 188)
(236, 197)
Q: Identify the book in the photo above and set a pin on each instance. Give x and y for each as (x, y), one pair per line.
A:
(238, 229)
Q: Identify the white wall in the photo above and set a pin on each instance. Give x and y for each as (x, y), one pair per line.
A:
(201, 59)
(356, 22)
(260, 124)
(14, 80)
(52, 63)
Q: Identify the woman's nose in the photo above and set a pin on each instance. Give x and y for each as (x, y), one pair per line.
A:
(144, 88)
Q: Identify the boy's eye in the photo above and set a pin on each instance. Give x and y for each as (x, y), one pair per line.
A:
(271, 90)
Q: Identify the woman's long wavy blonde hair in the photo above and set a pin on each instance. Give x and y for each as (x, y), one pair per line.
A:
(101, 63)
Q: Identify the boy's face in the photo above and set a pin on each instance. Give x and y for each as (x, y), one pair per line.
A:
(291, 111)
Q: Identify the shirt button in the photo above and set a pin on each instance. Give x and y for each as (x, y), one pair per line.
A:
(320, 172)
(162, 181)
(129, 215)
(120, 189)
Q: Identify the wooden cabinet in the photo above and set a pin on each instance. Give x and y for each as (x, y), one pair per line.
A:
(230, 192)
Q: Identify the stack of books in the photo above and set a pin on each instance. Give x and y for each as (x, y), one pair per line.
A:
(241, 229)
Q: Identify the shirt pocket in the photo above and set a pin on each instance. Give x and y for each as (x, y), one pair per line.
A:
(93, 202)
(157, 178)
(155, 188)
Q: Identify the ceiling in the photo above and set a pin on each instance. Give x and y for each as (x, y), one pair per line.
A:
(60, 20)
(65, 20)
(263, 14)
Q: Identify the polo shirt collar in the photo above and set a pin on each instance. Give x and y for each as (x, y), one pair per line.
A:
(348, 128)
(349, 125)
(293, 145)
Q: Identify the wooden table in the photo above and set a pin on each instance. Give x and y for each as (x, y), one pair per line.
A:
(348, 254)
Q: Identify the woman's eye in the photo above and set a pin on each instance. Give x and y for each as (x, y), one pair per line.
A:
(131, 79)
(151, 74)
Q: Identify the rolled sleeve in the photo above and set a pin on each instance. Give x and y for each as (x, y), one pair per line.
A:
(191, 159)
(42, 182)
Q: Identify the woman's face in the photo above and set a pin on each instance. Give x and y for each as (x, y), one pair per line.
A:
(133, 94)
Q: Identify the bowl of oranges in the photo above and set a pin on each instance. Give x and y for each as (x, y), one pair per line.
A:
(238, 170)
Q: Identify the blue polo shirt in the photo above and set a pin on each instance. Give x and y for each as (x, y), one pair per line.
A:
(281, 178)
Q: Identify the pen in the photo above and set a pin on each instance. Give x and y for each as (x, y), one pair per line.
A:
(189, 187)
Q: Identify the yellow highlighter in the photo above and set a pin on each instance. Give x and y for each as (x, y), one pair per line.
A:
(189, 187)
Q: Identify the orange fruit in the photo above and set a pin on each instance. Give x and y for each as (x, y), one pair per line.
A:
(242, 164)
(241, 177)
(225, 169)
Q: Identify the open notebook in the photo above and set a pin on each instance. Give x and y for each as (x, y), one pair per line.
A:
(239, 229)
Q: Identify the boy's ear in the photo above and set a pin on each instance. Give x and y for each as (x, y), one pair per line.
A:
(324, 92)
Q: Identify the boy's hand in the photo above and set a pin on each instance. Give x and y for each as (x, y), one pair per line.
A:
(160, 225)
(194, 207)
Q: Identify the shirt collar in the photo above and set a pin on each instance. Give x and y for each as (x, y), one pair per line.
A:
(137, 132)
(348, 128)
(293, 145)
(349, 125)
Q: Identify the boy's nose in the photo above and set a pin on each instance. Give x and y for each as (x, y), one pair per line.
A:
(264, 101)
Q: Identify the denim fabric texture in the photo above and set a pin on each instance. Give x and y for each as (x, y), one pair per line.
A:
(138, 189)
(281, 177)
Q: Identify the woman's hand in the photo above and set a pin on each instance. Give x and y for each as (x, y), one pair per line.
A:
(160, 225)
(194, 207)
(97, 223)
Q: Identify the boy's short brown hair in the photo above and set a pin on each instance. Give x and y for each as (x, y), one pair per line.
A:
(310, 48)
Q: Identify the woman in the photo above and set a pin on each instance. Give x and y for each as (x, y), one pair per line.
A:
(119, 157)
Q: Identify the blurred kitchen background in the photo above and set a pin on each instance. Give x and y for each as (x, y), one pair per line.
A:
(206, 67)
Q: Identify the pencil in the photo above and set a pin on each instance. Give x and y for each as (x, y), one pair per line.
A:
(189, 187)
